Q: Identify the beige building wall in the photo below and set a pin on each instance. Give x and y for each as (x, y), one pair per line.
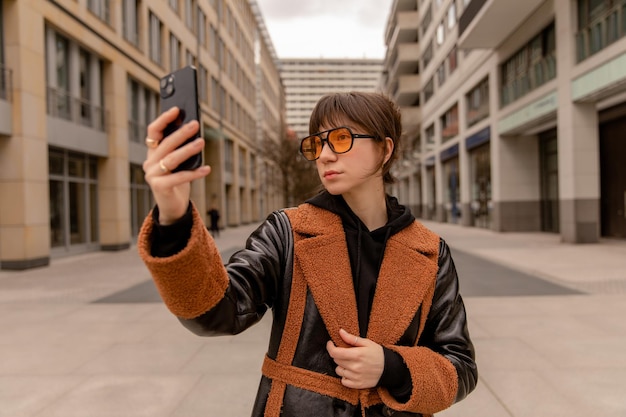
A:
(80, 84)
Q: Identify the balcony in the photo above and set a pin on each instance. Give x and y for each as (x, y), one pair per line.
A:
(404, 29)
(411, 120)
(485, 24)
(75, 123)
(407, 90)
(404, 61)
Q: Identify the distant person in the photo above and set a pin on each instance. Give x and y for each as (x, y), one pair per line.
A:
(214, 217)
(367, 315)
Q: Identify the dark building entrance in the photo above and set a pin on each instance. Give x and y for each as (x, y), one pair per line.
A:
(613, 178)
(549, 155)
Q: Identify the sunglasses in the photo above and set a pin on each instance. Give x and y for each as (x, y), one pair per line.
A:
(339, 139)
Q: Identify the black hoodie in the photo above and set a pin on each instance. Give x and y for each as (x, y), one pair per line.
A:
(366, 249)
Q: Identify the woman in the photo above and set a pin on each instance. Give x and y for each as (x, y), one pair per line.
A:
(367, 315)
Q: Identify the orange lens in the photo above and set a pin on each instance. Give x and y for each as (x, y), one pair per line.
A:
(340, 139)
(310, 147)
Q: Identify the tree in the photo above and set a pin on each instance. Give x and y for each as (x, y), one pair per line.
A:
(299, 177)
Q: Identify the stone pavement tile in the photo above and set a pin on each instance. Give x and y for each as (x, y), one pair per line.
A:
(12, 314)
(510, 354)
(585, 352)
(123, 396)
(140, 358)
(600, 389)
(108, 313)
(228, 394)
(481, 402)
(45, 359)
(526, 393)
(25, 396)
(546, 327)
(240, 353)
(110, 333)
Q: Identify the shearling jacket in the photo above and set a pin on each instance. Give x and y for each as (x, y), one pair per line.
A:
(296, 264)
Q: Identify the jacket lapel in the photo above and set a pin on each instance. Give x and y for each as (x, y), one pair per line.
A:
(400, 291)
(321, 257)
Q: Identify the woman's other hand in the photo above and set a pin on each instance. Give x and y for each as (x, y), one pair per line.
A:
(171, 190)
(361, 364)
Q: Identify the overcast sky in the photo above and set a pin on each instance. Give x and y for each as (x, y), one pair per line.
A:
(326, 28)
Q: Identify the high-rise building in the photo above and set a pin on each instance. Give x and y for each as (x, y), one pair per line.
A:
(306, 80)
(79, 82)
(522, 110)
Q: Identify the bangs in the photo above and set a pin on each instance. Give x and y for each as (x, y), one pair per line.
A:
(336, 110)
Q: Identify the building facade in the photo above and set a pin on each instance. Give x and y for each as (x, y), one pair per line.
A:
(522, 105)
(306, 80)
(79, 82)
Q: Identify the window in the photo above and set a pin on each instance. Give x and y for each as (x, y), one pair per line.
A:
(530, 67)
(174, 53)
(478, 103)
(189, 58)
(430, 137)
(73, 186)
(203, 84)
(428, 17)
(130, 21)
(452, 60)
(201, 27)
(600, 23)
(441, 34)
(85, 105)
(228, 156)
(142, 109)
(156, 32)
(100, 8)
(174, 5)
(428, 55)
(450, 123)
(452, 15)
(141, 200)
(441, 74)
(190, 8)
(429, 90)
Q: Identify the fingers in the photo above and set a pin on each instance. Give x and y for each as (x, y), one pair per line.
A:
(350, 339)
(158, 125)
(359, 365)
(166, 156)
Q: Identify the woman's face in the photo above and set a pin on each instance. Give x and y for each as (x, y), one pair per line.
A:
(358, 169)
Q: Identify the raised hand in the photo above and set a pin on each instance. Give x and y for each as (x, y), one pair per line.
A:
(171, 190)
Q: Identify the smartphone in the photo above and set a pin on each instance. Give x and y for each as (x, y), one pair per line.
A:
(180, 89)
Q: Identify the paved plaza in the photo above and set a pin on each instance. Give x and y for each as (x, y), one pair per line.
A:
(88, 336)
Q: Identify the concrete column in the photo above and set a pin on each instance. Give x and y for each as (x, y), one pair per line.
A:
(114, 171)
(578, 144)
(24, 189)
(465, 178)
(515, 184)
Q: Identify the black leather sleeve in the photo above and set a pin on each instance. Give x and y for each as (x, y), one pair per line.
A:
(255, 273)
(446, 327)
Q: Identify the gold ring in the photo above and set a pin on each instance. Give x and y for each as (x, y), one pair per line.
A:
(152, 143)
(164, 169)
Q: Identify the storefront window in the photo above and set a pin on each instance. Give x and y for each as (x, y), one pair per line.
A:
(73, 199)
(452, 191)
(481, 204)
(141, 200)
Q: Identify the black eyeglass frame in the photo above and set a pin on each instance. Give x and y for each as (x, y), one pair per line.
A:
(330, 145)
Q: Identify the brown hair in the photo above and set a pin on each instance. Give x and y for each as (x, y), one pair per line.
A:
(374, 112)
